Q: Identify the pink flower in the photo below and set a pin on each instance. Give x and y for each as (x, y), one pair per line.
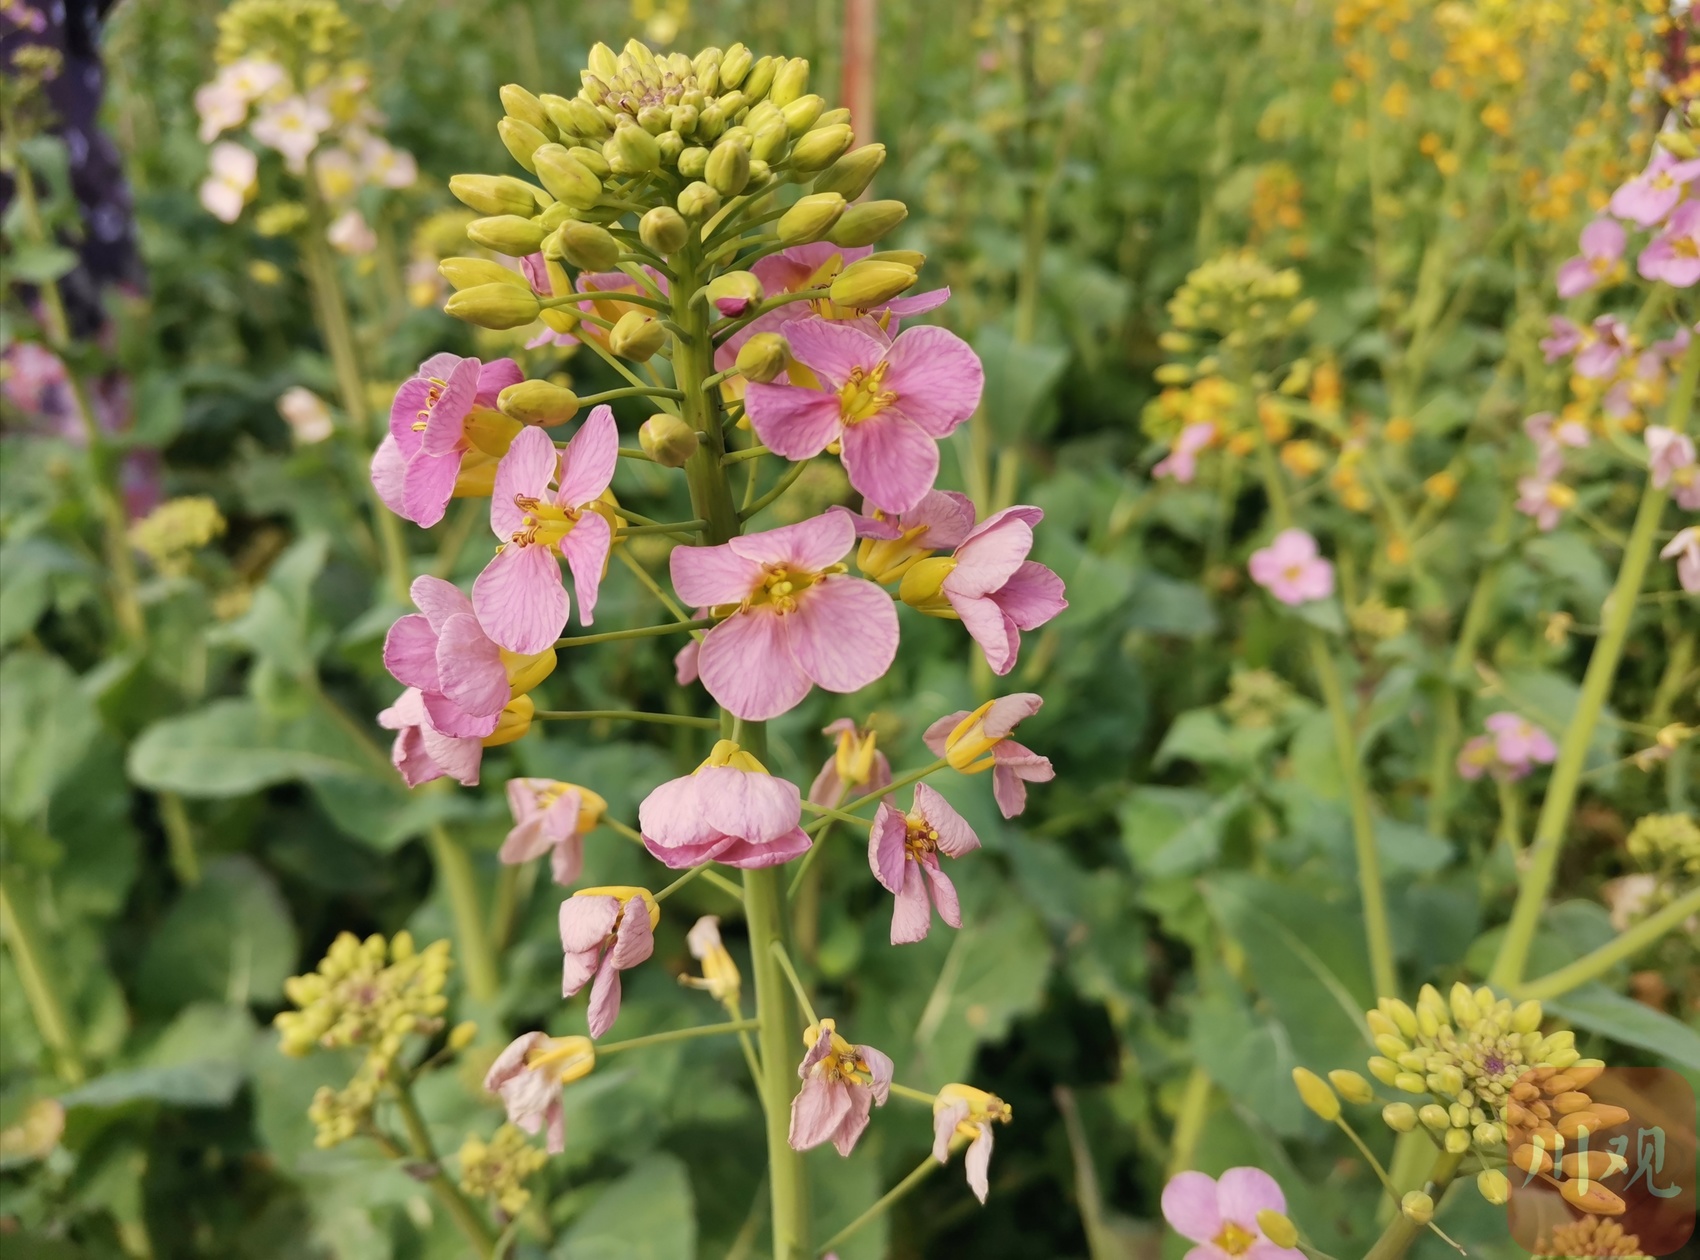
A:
(1546, 435)
(233, 171)
(1602, 249)
(1671, 460)
(842, 1084)
(1603, 348)
(1648, 197)
(903, 850)
(1674, 254)
(521, 600)
(730, 809)
(798, 618)
(1543, 496)
(1477, 757)
(892, 543)
(1565, 339)
(855, 763)
(442, 651)
(979, 740)
(886, 404)
(1518, 740)
(1290, 569)
(1181, 462)
(551, 817)
(292, 126)
(428, 432)
(1685, 550)
(966, 1112)
(532, 1095)
(1221, 1216)
(421, 752)
(605, 931)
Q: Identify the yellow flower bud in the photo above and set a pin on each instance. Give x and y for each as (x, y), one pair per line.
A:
(869, 222)
(1400, 1117)
(768, 141)
(496, 306)
(1527, 1017)
(728, 168)
(521, 139)
(466, 273)
(462, 1034)
(1384, 1070)
(810, 218)
(664, 230)
(869, 283)
(735, 63)
(668, 440)
(763, 357)
(1434, 1116)
(698, 201)
(588, 246)
(637, 336)
(922, 587)
(513, 722)
(852, 173)
(1457, 1141)
(567, 179)
(538, 402)
(521, 104)
(1417, 1207)
(790, 82)
(759, 82)
(631, 150)
(1352, 1087)
(735, 286)
(1314, 1091)
(693, 161)
(592, 160)
(495, 194)
(1277, 1228)
(507, 234)
(802, 113)
(820, 148)
(1494, 1186)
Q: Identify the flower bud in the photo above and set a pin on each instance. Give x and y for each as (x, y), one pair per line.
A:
(664, 230)
(789, 83)
(1277, 1228)
(567, 179)
(462, 1034)
(507, 234)
(820, 148)
(589, 247)
(592, 160)
(770, 139)
(1315, 1094)
(464, 273)
(521, 104)
(654, 119)
(684, 119)
(922, 587)
(735, 63)
(587, 121)
(671, 144)
(632, 150)
(527, 672)
(1679, 145)
(521, 140)
(1353, 1087)
(512, 723)
(1384, 1070)
(1434, 1116)
(1526, 1018)
(538, 402)
(908, 257)
(1417, 1207)
(1457, 1141)
(802, 113)
(1494, 1186)
(693, 162)
(866, 223)
(494, 194)
(496, 306)
(761, 175)
(811, 218)
(869, 283)
(698, 202)
(759, 82)
(636, 336)
(763, 357)
(734, 292)
(668, 440)
(728, 168)
(852, 173)
(1400, 1117)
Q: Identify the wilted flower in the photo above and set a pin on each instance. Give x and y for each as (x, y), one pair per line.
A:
(1291, 569)
(1222, 1215)
(605, 931)
(528, 1076)
(979, 740)
(965, 1112)
(904, 849)
(551, 817)
(842, 1084)
(856, 762)
(730, 809)
(499, 1168)
(457, 668)
(719, 972)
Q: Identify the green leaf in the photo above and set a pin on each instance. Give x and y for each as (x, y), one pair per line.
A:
(1201, 735)
(46, 724)
(1407, 849)
(1611, 1014)
(1020, 379)
(233, 746)
(277, 627)
(1252, 1059)
(646, 1215)
(228, 939)
(39, 264)
(1325, 614)
(1178, 832)
(210, 1084)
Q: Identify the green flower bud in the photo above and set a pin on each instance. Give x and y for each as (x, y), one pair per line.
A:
(1408, 1083)
(852, 173)
(1494, 1186)
(462, 1034)
(654, 119)
(735, 106)
(1488, 1136)
(811, 218)
(496, 306)
(712, 121)
(698, 201)
(1380, 1025)
(587, 120)
(560, 112)
(602, 62)
(1457, 1141)
(1315, 1094)
(632, 151)
(1400, 1117)
(1459, 1115)
(636, 336)
(684, 118)
(759, 82)
(554, 216)
(868, 283)
(790, 82)
(761, 113)
(507, 234)
(760, 176)
(735, 63)
(739, 288)
(1527, 1017)
(1434, 1116)
(707, 62)
(1353, 1088)
(521, 139)
(770, 139)
(693, 162)
(495, 194)
(1403, 1017)
(664, 230)
(802, 113)
(465, 273)
(1277, 1228)
(1417, 1207)
(820, 148)
(589, 247)
(566, 178)
(763, 357)
(592, 160)
(1384, 1070)
(668, 440)
(538, 402)
(728, 168)
(521, 104)
(866, 223)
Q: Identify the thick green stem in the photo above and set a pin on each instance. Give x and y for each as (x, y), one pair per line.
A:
(1554, 820)
(780, 1048)
(1401, 1231)
(1593, 965)
(464, 1215)
(18, 930)
(460, 883)
(693, 363)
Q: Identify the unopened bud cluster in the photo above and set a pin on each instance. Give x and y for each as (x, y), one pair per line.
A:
(1667, 843)
(1240, 299)
(176, 528)
(498, 1169)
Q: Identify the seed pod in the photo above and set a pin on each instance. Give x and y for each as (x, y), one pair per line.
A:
(588, 247)
(636, 336)
(820, 148)
(497, 306)
(763, 357)
(1315, 1093)
(538, 402)
(495, 194)
(802, 113)
(866, 284)
(866, 223)
(566, 178)
(664, 230)
(790, 82)
(507, 234)
(467, 273)
(728, 168)
(521, 139)
(810, 218)
(668, 440)
(698, 201)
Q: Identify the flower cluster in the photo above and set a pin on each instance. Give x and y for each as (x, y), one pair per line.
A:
(170, 534)
(498, 1169)
(1511, 748)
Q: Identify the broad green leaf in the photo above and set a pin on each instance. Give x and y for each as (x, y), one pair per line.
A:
(277, 627)
(38, 264)
(1019, 381)
(1611, 1014)
(46, 723)
(1195, 843)
(234, 746)
(208, 1084)
(1252, 1059)
(228, 939)
(1407, 849)
(1203, 736)
(646, 1215)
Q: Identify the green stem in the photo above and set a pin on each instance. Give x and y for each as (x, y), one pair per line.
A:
(802, 994)
(678, 1034)
(764, 914)
(913, 1095)
(673, 529)
(914, 776)
(693, 363)
(779, 487)
(633, 391)
(626, 715)
(1402, 1232)
(738, 457)
(460, 883)
(883, 1204)
(1594, 964)
(679, 883)
(640, 632)
(179, 838)
(19, 930)
(1554, 820)
(832, 813)
(448, 1194)
(1189, 1120)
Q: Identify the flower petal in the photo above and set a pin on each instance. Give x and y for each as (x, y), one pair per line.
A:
(1241, 1193)
(817, 1111)
(791, 421)
(526, 470)
(604, 1006)
(410, 653)
(1190, 1206)
(995, 633)
(753, 806)
(494, 377)
(945, 1120)
(977, 1162)
(747, 666)
(843, 633)
(450, 719)
(520, 600)
(809, 545)
(956, 837)
(706, 576)
(447, 420)
(886, 846)
(831, 349)
(634, 939)
(944, 893)
(389, 473)
(586, 921)
(911, 916)
(936, 376)
(1032, 596)
(438, 600)
(586, 548)
(890, 461)
(587, 465)
(470, 666)
(990, 556)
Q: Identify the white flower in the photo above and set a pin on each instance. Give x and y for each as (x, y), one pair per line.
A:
(350, 234)
(292, 126)
(306, 414)
(234, 170)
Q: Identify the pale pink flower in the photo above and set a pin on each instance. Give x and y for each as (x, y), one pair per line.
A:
(550, 817)
(520, 597)
(903, 850)
(1291, 569)
(386, 165)
(444, 653)
(799, 619)
(730, 810)
(1648, 197)
(421, 752)
(1220, 1216)
(1181, 462)
(1685, 550)
(993, 587)
(350, 234)
(1477, 757)
(1565, 339)
(842, 1084)
(1603, 348)
(979, 740)
(531, 1095)
(1519, 741)
(306, 415)
(605, 931)
(963, 1111)
(292, 126)
(1542, 496)
(233, 172)
(1671, 461)
(1545, 434)
(427, 440)
(887, 405)
(1673, 256)
(1602, 250)
(939, 522)
(856, 762)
